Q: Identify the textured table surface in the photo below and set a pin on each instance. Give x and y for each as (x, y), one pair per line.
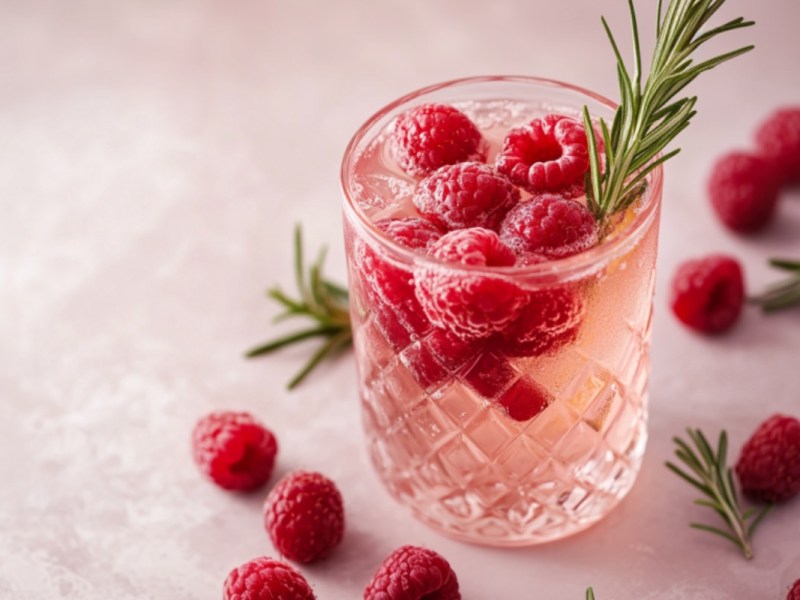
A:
(154, 157)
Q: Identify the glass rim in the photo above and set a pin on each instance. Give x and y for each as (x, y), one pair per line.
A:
(588, 259)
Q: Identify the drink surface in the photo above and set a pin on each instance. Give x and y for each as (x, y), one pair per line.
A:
(441, 426)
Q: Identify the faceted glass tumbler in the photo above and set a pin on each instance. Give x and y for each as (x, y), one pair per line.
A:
(438, 428)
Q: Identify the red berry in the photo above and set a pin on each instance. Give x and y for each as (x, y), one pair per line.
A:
(439, 356)
(266, 579)
(524, 399)
(708, 293)
(463, 195)
(549, 154)
(304, 516)
(744, 191)
(778, 140)
(413, 573)
(234, 450)
(434, 135)
(549, 321)
(769, 465)
(549, 226)
(470, 304)
(794, 593)
(390, 286)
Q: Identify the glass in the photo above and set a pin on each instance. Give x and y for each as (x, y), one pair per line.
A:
(442, 422)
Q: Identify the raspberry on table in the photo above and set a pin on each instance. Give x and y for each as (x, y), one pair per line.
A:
(550, 154)
(470, 304)
(434, 135)
(708, 293)
(794, 592)
(778, 139)
(304, 516)
(468, 194)
(744, 191)
(550, 320)
(769, 464)
(235, 450)
(549, 225)
(265, 578)
(413, 573)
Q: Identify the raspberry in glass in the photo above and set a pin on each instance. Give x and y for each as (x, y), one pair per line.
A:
(413, 573)
(234, 450)
(550, 319)
(769, 464)
(743, 189)
(468, 194)
(708, 293)
(304, 516)
(266, 579)
(434, 135)
(549, 154)
(470, 305)
(550, 226)
(778, 139)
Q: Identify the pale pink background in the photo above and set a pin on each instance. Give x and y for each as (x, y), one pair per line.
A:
(154, 156)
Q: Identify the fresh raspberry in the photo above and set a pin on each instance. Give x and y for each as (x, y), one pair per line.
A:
(266, 579)
(744, 191)
(390, 286)
(708, 293)
(794, 593)
(413, 573)
(549, 154)
(769, 465)
(439, 357)
(234, 450)
(304, 516)
(549, 226)
(550, 320)
(434, 135)
(470, 304)
(469, 194)
(524, 399)
(778, 139)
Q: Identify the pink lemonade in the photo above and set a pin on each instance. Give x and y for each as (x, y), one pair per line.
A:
(485, 442)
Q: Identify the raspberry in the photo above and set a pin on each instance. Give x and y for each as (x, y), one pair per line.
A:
(304, 516)
(434, 135)
(524, 399)
(439, 356)
(708, 293)
(234, 450)
(549, 154)
(413, 573)
(549, 321)
(794, 593)
(549, 226)
(472, 305)
(390, 286)
(467, 194)
(266, 579)
(744, 191)
(769, 464)
(778, 139)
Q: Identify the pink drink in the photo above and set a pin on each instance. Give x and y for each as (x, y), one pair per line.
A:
(439, 428)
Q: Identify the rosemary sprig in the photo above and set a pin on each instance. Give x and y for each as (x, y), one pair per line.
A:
(648, 117)
(589, 594)
(320, 300)
(783, 294)
(711, 475)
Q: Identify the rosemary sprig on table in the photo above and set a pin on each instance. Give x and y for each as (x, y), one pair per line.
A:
(321, 301)
(649, 117)
(589, 594)
(783, 294)
(709, 473)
